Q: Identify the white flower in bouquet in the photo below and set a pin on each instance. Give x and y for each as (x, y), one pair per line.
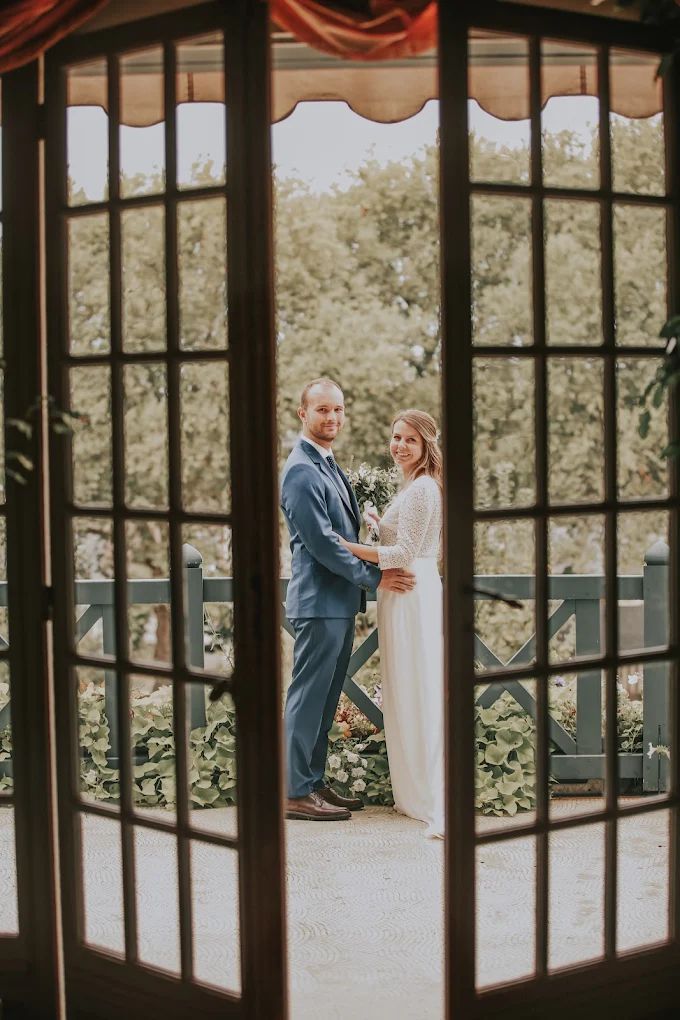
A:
(372, 526)
(357, 786)
(358, 772)
(351, 756)
(373, 484)
(342, 776)
(334, 761)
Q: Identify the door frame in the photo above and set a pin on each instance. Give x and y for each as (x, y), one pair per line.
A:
(256, 684)
(631, 984)
(640, 981)
(29, 962)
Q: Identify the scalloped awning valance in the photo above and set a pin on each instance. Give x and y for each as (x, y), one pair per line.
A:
(387, 91)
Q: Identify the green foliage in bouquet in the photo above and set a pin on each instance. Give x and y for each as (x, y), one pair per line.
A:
(374, 485)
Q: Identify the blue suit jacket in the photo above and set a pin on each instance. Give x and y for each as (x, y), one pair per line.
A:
(318, 504)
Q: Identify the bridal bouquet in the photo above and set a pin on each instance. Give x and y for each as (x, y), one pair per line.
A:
(373, 487)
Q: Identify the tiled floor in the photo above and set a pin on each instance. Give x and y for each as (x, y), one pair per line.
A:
(365, 906)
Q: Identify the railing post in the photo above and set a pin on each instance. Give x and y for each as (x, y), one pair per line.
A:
(655, 684)
(110, 685)
(193, 587)
(588, 685)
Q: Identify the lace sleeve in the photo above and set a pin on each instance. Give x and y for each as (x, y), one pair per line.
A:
(415, 513)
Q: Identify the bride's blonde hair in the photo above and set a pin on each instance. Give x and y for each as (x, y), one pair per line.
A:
(431, 462)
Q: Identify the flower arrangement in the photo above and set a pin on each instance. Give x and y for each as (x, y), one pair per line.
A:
(373, 485)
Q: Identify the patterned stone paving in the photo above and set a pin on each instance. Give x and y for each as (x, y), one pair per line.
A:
(365, 905)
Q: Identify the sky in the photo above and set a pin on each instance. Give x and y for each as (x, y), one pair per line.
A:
(321, 143)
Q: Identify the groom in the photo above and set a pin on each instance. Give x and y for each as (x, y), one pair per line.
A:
(327, 589)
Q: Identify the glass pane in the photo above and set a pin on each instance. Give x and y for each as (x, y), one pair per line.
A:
(94, 597)
(202, 245)
(215, 899)
(501, 271)
(148, 569)
(504, 432)
(98, 728)
(204, 391)
(569, 118)
(640, 274)
(15, 440)
(143, 278)
(576, 905)
(102, 875)
(212, 763)
(578, 726)
(92, 436)
(644, 583)
(146, 435)
(201, 148)
(506, 898)
(575, 430)
(210, 631)
(642, 471)
(4, 612)
(9, 908)
(142, 130)
(2, 339)
(637, 131)
(572, 268)
(152, 741)
(643, 724)
(157, 899)
(498, 81)
(576, 569)
(88, 285)
(87, 128)
(505, 754)
(6, 765)
(504, 567)
(642, 888)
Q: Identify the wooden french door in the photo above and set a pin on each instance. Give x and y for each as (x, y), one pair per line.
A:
(556, 214)
(131, 260)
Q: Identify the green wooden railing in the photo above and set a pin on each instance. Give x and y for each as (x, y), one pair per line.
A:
(578, 596)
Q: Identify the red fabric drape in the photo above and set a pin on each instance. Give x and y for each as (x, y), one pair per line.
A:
(29, 27)
(378, 30)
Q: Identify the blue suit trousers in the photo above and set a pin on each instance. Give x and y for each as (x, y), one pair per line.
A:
(322, 652)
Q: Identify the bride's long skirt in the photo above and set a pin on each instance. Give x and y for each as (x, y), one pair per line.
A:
(410, 627)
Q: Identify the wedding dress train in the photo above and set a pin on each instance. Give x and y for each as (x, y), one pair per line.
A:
(410, 628)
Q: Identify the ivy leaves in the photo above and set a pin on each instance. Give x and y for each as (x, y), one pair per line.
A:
(665, 380)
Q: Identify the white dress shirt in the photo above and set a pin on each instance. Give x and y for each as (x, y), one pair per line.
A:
(323, 450)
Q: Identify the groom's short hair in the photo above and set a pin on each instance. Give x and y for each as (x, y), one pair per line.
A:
(323, 381)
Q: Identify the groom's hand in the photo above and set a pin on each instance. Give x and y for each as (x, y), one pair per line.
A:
(397, 579)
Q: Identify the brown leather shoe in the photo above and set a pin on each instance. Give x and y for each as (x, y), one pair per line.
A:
(314, 808)
(331, 797)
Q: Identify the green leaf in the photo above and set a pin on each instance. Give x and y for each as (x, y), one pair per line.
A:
(643, 426)
(495, 755)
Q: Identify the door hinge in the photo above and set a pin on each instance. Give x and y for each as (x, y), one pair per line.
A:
(48, 602)
(41, 120)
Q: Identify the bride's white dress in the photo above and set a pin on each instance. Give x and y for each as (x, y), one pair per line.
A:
(410, 628)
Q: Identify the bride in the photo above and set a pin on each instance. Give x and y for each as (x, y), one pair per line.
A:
(410, 625)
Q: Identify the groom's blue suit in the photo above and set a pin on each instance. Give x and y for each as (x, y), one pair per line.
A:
(327, 589)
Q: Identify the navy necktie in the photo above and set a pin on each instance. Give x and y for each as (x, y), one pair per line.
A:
(332, 465)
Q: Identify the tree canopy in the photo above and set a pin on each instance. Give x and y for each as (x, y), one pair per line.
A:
(357, 287)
